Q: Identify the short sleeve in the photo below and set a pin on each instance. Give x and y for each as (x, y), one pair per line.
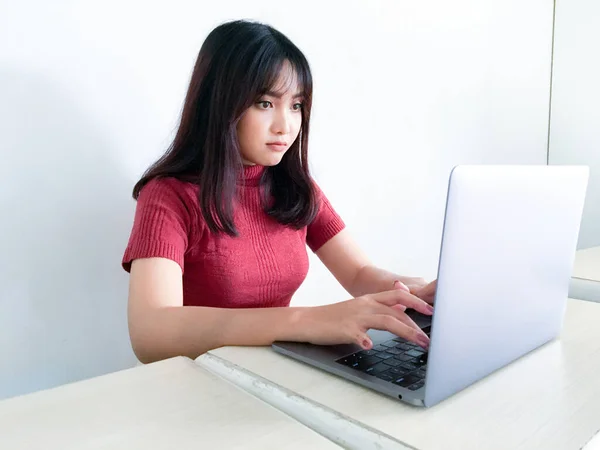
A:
(161, 223)
(326, 224)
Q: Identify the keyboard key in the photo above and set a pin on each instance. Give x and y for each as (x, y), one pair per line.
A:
(403, 346)
(416, 373)
(388, 344)
(377, 368)
(392, 362)
(399, 339)
(403, 357)
(385, 376)
(379, 348)
(384, 355)
(400, 381)
(407, 380)
(414, 353)
(394, 351)
(409, 366)
(366, 353)
(414, 387)
(422, 361)
(398, 371)
(365, 363)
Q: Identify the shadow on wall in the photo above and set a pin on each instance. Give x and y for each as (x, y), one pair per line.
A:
(66, 213)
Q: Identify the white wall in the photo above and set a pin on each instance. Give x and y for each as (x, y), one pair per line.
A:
(575, 122)
(91, 93)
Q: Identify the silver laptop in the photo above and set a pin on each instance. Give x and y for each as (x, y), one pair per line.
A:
(507, 251)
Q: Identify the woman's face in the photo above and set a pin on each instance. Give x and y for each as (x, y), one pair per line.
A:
(270, 126)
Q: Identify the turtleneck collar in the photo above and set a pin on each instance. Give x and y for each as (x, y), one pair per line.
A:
(251, 175)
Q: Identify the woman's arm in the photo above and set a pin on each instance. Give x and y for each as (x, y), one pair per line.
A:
(160, 327)
(353, 270)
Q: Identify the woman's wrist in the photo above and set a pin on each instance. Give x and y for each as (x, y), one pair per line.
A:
(296, 326)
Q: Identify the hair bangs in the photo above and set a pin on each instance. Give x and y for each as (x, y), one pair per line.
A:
(279, 70)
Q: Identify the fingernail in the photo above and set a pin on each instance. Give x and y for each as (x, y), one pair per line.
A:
(367, 344)
(429, 309)
(423, 340)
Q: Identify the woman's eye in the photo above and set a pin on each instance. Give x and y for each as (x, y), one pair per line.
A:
(265, 104)
(297, 106)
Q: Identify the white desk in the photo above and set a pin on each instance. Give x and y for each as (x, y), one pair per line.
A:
(173, 404)
(549, 399)
(585, 283)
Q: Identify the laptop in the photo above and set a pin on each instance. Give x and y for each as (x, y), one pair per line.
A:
(507, 251)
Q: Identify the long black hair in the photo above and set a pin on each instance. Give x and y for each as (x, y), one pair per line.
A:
(238, 63)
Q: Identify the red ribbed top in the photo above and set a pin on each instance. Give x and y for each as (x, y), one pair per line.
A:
(262, 267)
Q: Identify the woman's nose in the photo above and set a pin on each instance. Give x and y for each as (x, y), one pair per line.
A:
(281, 123)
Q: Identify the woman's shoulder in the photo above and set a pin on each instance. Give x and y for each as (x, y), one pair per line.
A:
(169, 188)
(170, 183)
(178, 197)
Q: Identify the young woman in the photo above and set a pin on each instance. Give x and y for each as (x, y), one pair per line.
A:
(218, 245)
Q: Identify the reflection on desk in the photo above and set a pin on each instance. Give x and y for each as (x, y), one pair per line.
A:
(585, 283)
(549, 399)
(173, 404)
(587, 264)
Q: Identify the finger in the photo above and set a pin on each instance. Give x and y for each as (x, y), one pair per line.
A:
(390, 298)
(388, 323)
(428, 289)
(393, 325)
(408, 321)
(427, 292)
(399, 307)
(364, 341)
(400, 285)
(400, 315)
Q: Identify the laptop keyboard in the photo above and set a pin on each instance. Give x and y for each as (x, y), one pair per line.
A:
(398, 361)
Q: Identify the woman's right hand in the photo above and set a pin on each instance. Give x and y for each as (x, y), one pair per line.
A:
(348, 322)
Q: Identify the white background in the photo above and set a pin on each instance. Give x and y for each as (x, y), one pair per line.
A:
(575, 122)
(90, 96)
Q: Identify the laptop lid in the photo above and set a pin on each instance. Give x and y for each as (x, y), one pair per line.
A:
(508, 245)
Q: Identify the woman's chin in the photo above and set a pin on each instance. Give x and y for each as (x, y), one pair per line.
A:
(271, 159)
(267, 159)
